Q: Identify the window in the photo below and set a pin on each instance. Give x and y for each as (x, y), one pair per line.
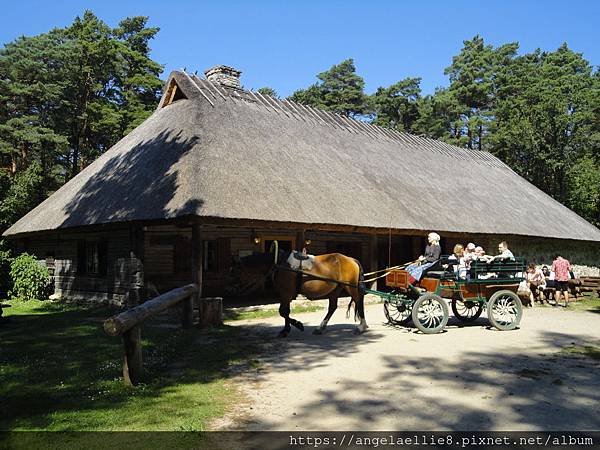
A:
(209, 256)
(92, 257)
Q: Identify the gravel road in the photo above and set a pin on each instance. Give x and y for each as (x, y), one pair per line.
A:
(466, 378)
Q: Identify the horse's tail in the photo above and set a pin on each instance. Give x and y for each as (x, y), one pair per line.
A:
(361, 293)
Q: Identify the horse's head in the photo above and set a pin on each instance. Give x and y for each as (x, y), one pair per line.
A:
(249, 273)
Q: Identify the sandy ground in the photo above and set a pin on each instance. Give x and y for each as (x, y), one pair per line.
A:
(466, 378)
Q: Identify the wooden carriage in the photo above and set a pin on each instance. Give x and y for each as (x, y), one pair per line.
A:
(486, 285)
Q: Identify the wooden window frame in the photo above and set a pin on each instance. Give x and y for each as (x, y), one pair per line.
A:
(83, 253)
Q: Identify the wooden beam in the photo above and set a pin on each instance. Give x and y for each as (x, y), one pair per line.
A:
(120, 323)
(373, 258)
(197, 249)
(416, 250)
(300, 238)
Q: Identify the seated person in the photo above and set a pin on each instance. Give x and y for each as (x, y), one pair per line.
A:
(460, 269)
(547, 289)
(431, 255)
(535, 281)
(479, 252)
(469, 256)
(504, 255)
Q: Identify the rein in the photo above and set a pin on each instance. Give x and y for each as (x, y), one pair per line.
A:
(310, 276)
(386, 271)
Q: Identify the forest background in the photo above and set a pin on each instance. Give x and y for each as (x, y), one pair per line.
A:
(68, 95)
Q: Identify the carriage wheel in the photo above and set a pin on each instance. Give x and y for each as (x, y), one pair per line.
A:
(397, 313)
(505, 310)
(466, 310)
(430, 313)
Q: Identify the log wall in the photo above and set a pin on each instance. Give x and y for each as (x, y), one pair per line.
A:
(167, 255)
(113, 287)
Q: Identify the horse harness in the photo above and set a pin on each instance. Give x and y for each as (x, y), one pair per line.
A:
(302, 277)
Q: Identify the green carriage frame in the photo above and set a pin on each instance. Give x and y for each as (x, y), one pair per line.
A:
(490, 286)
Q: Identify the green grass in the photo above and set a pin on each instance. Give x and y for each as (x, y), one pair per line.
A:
(230, 315)
(591, 351)
(60, 371)
(585, 304)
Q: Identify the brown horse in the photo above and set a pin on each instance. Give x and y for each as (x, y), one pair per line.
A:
(330, 276)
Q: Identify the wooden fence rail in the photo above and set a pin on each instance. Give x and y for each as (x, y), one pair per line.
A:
(127, 325)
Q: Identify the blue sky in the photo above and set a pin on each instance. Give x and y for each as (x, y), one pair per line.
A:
(285, 44)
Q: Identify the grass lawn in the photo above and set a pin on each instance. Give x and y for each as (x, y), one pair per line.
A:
(60, 371)
(230, 315)
(585, 304)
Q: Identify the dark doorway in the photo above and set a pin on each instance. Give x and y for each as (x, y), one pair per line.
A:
(352, 249)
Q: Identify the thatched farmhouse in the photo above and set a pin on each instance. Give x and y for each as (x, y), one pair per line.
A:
(218, 171)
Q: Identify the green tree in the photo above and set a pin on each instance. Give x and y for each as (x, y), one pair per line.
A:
(545, 117)
(268, 91)
(397, 106)
(339, 90)
(66, 96)
(440, 117)
(472, 75)
(24, 192)
(584, 189)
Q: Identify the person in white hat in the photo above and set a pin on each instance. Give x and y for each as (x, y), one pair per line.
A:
(469, 256)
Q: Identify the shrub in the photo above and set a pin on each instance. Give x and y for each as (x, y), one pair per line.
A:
(29, 278)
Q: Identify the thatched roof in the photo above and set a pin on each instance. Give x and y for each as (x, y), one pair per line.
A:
(228, 153)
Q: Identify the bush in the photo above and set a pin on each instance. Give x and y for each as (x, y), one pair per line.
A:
(29, 278)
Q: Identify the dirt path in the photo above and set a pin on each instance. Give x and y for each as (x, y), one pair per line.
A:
(468, 378)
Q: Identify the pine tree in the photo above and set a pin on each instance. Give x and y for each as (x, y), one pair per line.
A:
(339, 90)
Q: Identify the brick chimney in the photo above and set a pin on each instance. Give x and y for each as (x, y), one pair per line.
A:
(225, 75)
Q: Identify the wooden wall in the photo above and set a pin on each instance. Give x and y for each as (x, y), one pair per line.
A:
(62, 249)
(166, 254)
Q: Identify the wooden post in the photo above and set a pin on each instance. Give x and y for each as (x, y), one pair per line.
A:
(211, 311)
(300, 239)
(373, 259)
(416, 250)
(136, 266)
(132, 356)
(127, 325)
(197, 249)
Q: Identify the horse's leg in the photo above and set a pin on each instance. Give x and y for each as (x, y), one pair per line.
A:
(359, 303)
(297, 324)
(333, 303)
(284, 311)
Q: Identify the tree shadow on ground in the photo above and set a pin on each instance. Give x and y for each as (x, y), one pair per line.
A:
(60, 371)
(477, 391)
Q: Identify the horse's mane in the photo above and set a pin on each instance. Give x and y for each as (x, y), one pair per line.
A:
(263, 258)
(256, 259)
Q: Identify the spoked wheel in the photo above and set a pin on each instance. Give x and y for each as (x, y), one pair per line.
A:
(430, 313)
(466, 310)
(397, 313)
(505, 310)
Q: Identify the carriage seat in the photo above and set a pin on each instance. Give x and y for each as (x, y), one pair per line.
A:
(437, 269)
(438, 274)
(501, 269)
